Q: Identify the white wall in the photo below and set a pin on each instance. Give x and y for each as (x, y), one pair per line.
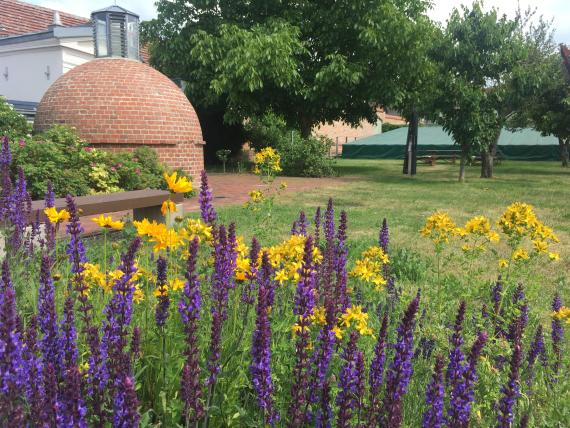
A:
(27, 65)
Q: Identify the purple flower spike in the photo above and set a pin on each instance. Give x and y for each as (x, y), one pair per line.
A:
(383, 238)
(207, 209)
(351, 379)
(510, 390)
(433, 416)
(557, 334)
(455, 367)
(260, 368)
(303, 309)
(376, 376)
(537, 350)
(12, 364)
(161, 313)
(317, 227)
(47, 318)
(125, 404)
(400, 370)
(189, 309)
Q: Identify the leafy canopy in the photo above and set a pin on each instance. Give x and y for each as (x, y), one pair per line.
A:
(308, 61)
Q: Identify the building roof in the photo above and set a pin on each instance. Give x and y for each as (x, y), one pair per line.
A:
(115, 9)
(17, 17)
(119, 101)
(435, 135)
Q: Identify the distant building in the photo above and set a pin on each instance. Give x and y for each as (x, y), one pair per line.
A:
(90, 74)
(341, 133)
(37, 46)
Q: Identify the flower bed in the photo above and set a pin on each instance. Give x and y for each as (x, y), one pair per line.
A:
(189, 324)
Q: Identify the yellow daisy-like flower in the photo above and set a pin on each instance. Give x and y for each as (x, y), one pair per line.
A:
(554, 256)
(175, 284)
(177, 184)
(503, 263)
(108, 222)
(540, 246)
(440, 228)
(138, 295)
(520, 254)
(55, 216)
(168, 207)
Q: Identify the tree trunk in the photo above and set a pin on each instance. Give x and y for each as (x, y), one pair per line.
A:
(487, 164)
(463, 162)
(564, 155)
(306, 127)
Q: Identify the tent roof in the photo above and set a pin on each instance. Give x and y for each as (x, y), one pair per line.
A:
(436, 136)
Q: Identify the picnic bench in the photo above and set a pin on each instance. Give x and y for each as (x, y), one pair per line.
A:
(144, 203)
(431, 156)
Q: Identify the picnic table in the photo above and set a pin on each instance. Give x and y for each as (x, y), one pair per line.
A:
(432, 156)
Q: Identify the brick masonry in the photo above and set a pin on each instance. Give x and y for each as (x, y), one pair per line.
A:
(120, 104)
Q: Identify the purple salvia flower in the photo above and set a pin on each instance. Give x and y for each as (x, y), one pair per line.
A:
(50, 395)
(47, 318)
(34, 390)
(400, 370)
(324, 414)
(68, 335)
(557, 334)
(376, 375)
(260, 368)
(523, 423)
(189, 308)
(12, 365)
(136, 342)
(75, 247)
(207, 210)
(5, 154)
(161, 313)
(220, 284)
(383, 238)
(350, 380)
(455, 367)
(302, 224)
(341, 257)
(537, 350)
(317, 227)
(329, 222)
(118, 314)
(510, 390)
(320, 361)
(463, 395)
(72, 410)
(294, 228)
(433, 416)
(303, 309)
(125, 404)
(18, 214)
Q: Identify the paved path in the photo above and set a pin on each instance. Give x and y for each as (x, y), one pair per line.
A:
(230, 189)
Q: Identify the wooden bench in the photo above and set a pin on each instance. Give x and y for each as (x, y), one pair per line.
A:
(144, 203)
(432, 156)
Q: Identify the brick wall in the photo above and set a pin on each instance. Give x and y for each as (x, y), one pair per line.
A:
(119, 104)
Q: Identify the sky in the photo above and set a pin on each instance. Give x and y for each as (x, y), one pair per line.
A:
(556, 10)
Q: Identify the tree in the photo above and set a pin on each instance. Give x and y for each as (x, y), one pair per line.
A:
(545, 91)
(12, 123)
(309, 62)
(475, 56)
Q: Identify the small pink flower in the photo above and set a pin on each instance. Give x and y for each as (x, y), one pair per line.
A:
(88, 149)
(22, 142)
(137, 171)
(119, 165)
(113, 168)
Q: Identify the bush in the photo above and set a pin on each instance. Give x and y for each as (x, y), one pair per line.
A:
(61, 156)
(306, 157)
(12, 123)
(387, 127)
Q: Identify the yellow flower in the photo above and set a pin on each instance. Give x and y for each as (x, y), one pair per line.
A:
(168, 207)
(267, 162)
(55, 216)
(177, 184)
(283, 185)
(176, 284)
(256, 196)
(108, 222)
(554, 256)
(440, 228)
(503, 263)
(520, 254)
(337, 332)
(138, 295)
(281, 276)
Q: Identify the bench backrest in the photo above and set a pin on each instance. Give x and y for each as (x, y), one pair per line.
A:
(112, 202)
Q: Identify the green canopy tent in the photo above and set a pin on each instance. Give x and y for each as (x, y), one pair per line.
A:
(526, 144)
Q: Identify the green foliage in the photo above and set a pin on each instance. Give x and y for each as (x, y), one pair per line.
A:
(476, 56)
(12, 123)
(387, 127)
(74, 168)
(305, 157)
(310, 62)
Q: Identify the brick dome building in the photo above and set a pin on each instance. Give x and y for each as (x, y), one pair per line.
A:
(120, 104)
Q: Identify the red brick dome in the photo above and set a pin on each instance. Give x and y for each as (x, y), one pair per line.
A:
(120, 104)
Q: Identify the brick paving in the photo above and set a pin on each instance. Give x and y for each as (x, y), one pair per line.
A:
(231, 189)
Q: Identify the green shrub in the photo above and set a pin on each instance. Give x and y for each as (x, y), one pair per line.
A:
(387, 127)
(306, 157)
(61, 156)
(12, 123)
